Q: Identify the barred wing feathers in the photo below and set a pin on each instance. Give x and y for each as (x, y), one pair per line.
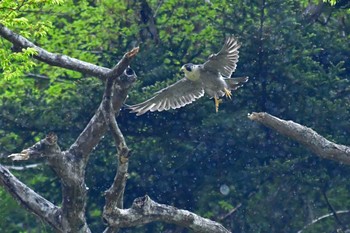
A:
(177, 95)
(226, 60)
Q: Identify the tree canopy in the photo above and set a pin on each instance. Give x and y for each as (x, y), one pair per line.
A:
(222, 165)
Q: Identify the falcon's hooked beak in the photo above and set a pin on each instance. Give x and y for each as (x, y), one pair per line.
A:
(182, 68)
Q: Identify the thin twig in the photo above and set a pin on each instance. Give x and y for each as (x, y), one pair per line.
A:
(231, 212)
(323, 217)
(330, 207)
(24, 167)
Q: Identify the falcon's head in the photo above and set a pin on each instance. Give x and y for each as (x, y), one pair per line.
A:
(188, 67)
(191, 71)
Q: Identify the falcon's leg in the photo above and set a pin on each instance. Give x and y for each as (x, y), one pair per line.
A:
(217, 102)
(227, 93)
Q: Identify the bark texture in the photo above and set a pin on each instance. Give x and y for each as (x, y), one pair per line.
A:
(306, 136)
(145, 210)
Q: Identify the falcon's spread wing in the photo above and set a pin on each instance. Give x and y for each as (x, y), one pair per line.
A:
(177, 95)
(226, 60)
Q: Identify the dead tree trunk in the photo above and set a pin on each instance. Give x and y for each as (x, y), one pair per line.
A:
(70, 165)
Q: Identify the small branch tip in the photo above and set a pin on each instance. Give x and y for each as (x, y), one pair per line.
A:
(132, 53)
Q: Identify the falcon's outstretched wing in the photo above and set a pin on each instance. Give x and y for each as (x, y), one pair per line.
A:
(226, 60)
(177, 95)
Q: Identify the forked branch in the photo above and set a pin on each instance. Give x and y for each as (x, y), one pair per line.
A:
(145, 210)
(70, 165)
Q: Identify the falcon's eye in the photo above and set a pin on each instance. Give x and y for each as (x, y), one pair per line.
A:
(188, 68)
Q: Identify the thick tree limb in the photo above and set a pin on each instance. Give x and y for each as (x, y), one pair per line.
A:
(97, 126)
(46, 147)
(144, 210)
(306, 136)
(115, 194)
(31, 200)
(51, 58)
(71, 170)
(64, 61)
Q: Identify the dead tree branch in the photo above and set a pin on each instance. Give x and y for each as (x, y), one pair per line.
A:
(97, 126)
(323, 217)
(24, 167)
(52, 58)
(115, 194)
(145, 210)
(29, 199)
(331, 208)
(70, 169)
(60, 60)
(306, 136)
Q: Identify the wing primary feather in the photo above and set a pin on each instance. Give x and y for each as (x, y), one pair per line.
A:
(226, 59)
(162, 106)
(155, 107)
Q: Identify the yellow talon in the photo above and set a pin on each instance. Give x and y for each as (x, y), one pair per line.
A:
(217, 102)
(228, 93)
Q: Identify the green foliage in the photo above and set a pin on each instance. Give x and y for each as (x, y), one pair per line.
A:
(298, 69)
(22, 61)
(332, 2)
(12, 15)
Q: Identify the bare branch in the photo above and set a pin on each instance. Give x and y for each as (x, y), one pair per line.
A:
(97, 126)
(124, 63)
(75, 191)
(230, 212)
(330, 207)
(24, 167)
(44, 77)
(115, 194)
(306, 136)
(30, 199)
(323, 217)
(70, 169)
(51, 58)
(45, 147)
(144, 210)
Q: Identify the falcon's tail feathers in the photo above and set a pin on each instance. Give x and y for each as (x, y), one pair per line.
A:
(235, 83)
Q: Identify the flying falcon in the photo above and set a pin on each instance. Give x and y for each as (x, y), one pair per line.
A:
(212, 78)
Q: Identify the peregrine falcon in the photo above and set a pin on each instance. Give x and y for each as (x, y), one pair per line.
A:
(212, 78)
